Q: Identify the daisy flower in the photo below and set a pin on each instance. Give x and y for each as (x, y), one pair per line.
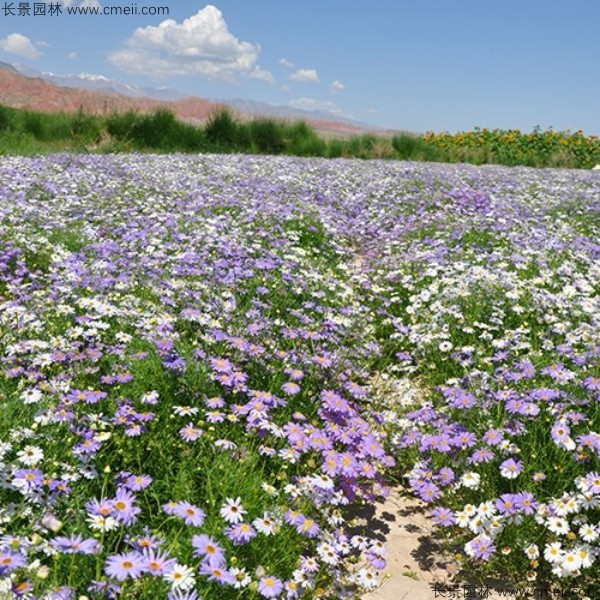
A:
(191, 515)
(233, 511)
(121, 566)
(208, 549)
(180, 577)
(270, 587)
(265, 524)
(241, 579)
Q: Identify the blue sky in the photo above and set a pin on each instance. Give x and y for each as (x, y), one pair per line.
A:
(419, 65)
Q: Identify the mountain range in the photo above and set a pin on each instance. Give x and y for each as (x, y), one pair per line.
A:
(22, 86)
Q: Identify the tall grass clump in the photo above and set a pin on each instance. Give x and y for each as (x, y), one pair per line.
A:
(222, 131)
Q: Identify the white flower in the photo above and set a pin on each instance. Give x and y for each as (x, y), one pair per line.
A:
(149, 397)
(470, 480)
(477, 525)
(180, 577)
(367, 579)
(30, 455)
(558, 525)
(241, 577)
(233, 511)
(184, 411)
(532, 552)
(586, 554)
(486, 509)
(267, 488)
(566, 506)
(589, 533)
(265, 524)
(328, 553)
(102, 523)
(30, 396)
(571, 561)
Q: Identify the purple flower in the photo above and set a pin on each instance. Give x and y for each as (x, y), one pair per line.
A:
(462, 400)
(591, 383)
(308, 528)
(157, 564)
(123, 507)
(481, 547)
(270, 587)
(191, 515)
(507, 504)
(345, 464)
(481, 455)
(110, 589)
(525, 502)
(445, 476)
(138, 482)
(442, 516)
(217, 573)
(376, 560)
(121, 566)
(292, 517)
(9, 561)
(465, 439)
(428, 492)
(240, 534)
(511, 468)
(209, 550)
(28, 479)
(290, 388)
(560, 431)
(295, 374)
(75, 544)
(177, 594)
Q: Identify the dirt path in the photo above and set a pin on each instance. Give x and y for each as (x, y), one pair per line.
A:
(416, 569)
(413, 556)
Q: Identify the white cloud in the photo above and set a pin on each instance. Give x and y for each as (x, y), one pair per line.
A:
(305, 75)
(315, 104)
(72, 55)
(262, 75)
(200, 45)
(337, 86)
(18, 44)
(284, 62)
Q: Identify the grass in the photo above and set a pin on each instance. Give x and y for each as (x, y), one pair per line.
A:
(25, 132)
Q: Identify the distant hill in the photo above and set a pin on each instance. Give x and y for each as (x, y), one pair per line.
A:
(25, 87)
(20, 91)
(8, 67)
(99, 83)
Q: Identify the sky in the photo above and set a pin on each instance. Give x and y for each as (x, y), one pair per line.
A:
(415, 65)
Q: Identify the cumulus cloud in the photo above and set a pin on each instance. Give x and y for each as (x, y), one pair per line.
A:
(337, 86)
(72, 55)
(16, 43)
(305, 75)
(262, 75)
(284, 62)
(200, 45)
(315, 104)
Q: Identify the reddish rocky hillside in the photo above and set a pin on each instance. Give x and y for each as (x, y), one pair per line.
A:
(19, 91)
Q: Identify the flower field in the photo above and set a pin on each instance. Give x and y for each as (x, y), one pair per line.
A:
(209, 361)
